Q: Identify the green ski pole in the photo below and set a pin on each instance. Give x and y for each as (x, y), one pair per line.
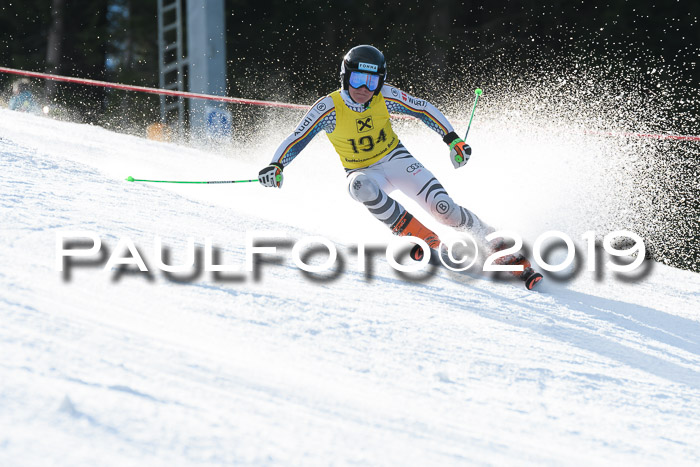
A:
(211, 182)
(478, 92)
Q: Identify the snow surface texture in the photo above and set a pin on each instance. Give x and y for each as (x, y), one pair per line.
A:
(127, 369)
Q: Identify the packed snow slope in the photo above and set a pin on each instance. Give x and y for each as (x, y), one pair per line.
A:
(126, 368)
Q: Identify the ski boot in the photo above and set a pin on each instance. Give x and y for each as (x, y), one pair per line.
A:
(409, 226)
(528, 275)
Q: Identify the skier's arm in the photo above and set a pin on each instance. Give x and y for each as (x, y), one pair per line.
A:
(321, 116)
(316, 119)
(398, 101)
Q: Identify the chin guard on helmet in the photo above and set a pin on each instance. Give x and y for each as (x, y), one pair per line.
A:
(365, 59)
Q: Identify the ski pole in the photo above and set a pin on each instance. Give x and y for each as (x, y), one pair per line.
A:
(132, 179)
(478, 92)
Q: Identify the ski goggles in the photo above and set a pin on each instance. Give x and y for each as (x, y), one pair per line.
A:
(359, 79)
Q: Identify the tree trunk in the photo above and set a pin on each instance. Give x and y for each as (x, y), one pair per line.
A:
(54, 43)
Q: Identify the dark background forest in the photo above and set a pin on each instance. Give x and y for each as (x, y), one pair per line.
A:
(291, 50)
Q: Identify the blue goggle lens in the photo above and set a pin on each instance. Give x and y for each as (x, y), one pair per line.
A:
(358, 79)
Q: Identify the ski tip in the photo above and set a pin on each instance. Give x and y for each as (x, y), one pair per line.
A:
(129, 178)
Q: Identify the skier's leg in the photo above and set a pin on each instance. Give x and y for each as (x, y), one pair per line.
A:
(403, 171)
(428, 192)
(365, 188)
(412, 178)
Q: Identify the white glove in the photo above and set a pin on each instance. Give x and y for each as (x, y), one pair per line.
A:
(459, 150)
(459, 153)
(271, 176)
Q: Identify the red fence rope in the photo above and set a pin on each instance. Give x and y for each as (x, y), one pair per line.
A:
(166, 92)
(237, 100)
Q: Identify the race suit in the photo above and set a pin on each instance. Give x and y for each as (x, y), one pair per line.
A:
(376, 161)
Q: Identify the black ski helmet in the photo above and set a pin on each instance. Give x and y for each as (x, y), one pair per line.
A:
(366, 59)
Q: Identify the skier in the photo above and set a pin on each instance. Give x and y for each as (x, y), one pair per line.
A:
(356, 121)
